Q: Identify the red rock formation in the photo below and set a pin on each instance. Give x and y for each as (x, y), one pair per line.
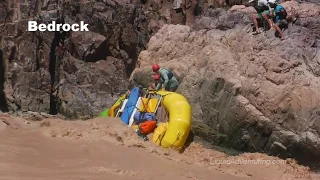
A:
(263, 93)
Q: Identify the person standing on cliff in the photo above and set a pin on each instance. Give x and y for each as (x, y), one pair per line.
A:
(264, 12)
(164, 79)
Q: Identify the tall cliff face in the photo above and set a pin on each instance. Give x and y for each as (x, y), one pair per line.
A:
(79, 81)
(3, 102)
(259, 91)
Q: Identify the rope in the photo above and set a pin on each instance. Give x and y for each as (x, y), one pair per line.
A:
(178, 136)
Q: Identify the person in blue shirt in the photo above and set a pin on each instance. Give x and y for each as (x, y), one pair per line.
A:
(280, 18)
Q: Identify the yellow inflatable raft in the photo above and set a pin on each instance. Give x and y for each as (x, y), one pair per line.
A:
(113, 110)
(172, 134)
(177, 129)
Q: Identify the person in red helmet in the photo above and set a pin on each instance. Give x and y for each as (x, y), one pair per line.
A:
(164, 79)
(156, 77)
(155, 68)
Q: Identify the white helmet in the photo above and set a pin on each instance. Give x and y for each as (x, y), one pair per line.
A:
(272, 1)
(250, 1)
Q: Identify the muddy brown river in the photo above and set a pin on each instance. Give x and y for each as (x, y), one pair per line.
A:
(106, 149)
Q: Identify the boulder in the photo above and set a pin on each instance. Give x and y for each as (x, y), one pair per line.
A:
(263, 93)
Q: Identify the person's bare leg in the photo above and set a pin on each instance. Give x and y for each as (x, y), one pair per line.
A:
(266, 19)
(279, 30)
(272, 26)
(255, 22)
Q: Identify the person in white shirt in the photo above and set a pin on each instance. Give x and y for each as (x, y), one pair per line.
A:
(264, 12)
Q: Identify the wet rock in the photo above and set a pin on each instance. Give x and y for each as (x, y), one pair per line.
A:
(35, 116)
(311, 139)
(278, 149)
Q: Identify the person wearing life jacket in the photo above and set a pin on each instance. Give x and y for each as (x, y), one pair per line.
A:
(164, 79)
(280, 17)
(264, 12)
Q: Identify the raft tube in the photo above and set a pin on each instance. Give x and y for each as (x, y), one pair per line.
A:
(179, 123)
(112, 111)
(104, 113)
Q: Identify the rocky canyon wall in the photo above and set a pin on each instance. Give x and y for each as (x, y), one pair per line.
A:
(79, 81)
(260, 92)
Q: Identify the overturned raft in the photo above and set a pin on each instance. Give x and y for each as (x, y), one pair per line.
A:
(170, 134)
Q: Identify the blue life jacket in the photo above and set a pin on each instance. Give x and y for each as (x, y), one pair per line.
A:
(280, 13)
(142, 117)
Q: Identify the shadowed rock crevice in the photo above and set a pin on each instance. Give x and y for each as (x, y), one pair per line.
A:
(53, 76)
(100, 53)
(57, 60)
(131, 58)
(3, 100)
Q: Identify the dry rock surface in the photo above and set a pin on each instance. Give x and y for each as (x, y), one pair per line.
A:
(259, 91)
(101, 148)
